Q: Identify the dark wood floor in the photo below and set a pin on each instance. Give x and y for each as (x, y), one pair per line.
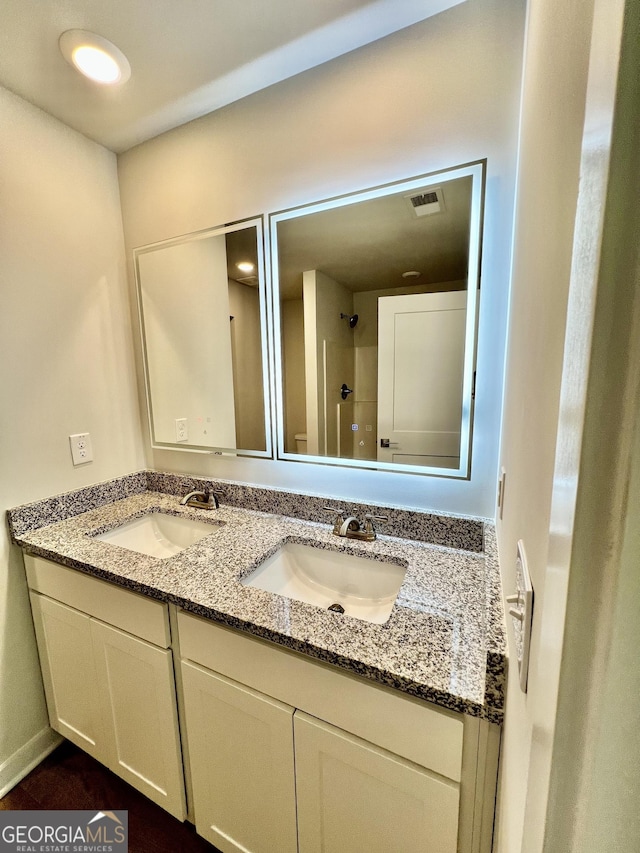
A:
(70, 779)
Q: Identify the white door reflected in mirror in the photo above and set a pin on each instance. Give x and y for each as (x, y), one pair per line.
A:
(420, 376)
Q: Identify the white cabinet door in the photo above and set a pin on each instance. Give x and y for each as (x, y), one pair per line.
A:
(136, 693)
(241, 753)
(356, 798)
(68, 673)
(113, 695)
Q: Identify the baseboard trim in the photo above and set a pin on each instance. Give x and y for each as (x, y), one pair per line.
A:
(22, 762)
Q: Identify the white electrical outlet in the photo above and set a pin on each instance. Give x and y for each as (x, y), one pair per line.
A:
(81, 450)
(182, 430)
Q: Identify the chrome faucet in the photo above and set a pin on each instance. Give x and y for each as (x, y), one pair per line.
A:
(350, 527)
(202, 500)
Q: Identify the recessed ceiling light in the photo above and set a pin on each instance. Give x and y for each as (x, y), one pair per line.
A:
(246, 266)
(95, 57)
(411, 274)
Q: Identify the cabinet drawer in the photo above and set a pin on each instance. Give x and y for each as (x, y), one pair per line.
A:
(127, 610)
(405, 726)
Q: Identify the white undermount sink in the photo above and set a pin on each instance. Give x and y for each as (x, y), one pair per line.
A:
(158, 534)
(364, 587)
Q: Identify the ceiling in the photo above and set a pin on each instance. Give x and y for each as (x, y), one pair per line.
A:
(369, 245)
(188, 57)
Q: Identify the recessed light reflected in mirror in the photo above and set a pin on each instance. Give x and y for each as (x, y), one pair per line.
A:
(95, 57)
(246, 266)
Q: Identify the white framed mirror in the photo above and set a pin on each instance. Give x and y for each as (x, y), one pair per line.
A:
(202, 310)
(375, 303)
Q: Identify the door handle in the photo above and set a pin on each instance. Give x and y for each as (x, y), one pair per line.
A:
(384, 442)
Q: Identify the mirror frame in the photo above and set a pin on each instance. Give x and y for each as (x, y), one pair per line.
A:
(477, 171)
(258, 223)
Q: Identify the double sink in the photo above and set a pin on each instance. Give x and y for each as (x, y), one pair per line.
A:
(362, 587)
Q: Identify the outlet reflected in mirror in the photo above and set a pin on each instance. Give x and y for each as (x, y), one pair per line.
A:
(201, 301)
(375, 317)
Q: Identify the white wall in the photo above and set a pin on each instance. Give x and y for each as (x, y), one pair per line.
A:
(585, 758)
(440, 93)
(562, 171)
(66, 365)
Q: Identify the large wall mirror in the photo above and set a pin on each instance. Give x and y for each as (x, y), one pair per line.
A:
(375, 314)
(202, 308)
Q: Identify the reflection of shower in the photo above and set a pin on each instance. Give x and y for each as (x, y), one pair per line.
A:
(353, 319)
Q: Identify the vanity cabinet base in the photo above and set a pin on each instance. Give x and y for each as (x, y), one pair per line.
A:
(361, 769)
(109, 692)
(282, 753)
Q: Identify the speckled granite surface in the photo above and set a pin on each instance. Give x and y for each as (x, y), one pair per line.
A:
(451, 531)
(444, 641)
(31, 516)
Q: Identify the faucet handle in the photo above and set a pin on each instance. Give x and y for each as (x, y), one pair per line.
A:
(211, 496)
(369, 519)
(339, 517)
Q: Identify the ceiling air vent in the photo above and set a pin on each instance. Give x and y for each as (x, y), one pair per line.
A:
(248, 280)
(425, 202)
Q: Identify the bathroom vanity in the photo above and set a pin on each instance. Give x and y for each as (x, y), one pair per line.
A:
(271, 723)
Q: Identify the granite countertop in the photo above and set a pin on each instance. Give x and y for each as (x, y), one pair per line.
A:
(444, 640)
